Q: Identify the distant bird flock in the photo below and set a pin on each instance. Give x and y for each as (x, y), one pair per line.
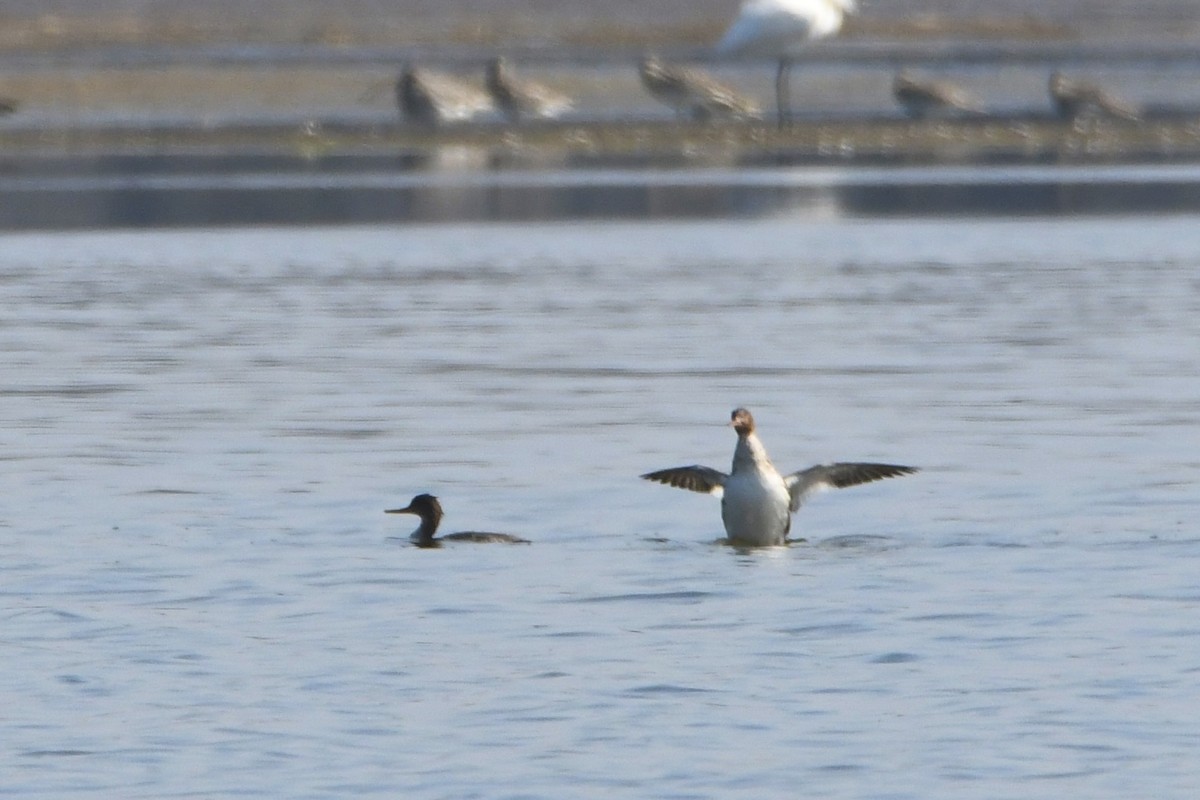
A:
(774, 29)
(762, 29)
(431, 98)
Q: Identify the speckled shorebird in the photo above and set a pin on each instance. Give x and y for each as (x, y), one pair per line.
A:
(756, 500)
(778, 29)
(431, 98)
(692, 93)
(427, 507)
(517, 98)
(926, 97)
(1075, 99)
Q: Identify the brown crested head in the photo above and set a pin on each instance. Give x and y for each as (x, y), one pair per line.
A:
(742, 422)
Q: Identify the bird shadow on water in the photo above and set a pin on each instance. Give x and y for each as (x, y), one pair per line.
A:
(848, 543)
(868, 542)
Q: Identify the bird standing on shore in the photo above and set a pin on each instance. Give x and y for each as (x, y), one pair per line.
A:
(778, 28)
(692, 93)
(756, 500)
(431, 98)
(427, 507)
(1075, 99)
(925, 97)
(519, 99)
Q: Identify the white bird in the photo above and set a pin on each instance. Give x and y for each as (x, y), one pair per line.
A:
(518, 98)
(756, 500)
(431, 98)
(779, 28)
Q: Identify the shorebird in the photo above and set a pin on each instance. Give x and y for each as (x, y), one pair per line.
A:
(430, 98)
(756, 500)
(427, 507)
(691, 92)
(1080, 100)
(518, 98)
(925, 97)
(779, 28)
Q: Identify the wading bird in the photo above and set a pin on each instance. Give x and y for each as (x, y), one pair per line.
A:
(518, 98)
(779, 28)
(925, 97)
(692, 93)
(431, 98)
(1075, 99)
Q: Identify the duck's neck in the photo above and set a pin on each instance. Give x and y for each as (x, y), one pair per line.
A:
(423, 535)
(750, 454)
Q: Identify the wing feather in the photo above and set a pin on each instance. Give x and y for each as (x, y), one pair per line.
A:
(695, 478)
(838, 476)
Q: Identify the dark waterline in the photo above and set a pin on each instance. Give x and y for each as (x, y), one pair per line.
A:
(200, 192)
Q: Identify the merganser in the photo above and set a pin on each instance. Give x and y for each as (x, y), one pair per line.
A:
(427, 507)
(756, 501)
(692, 92)
(522, 98)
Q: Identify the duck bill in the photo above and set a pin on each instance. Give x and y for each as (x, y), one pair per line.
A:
(408, 509)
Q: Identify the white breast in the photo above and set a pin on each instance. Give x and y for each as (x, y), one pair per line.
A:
(754, 508)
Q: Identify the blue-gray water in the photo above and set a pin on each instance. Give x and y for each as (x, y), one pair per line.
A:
(201, 596)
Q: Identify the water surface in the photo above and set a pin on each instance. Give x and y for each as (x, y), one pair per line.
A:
(203, 597)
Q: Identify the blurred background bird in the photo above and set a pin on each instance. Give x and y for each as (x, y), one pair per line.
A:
(1076, 99)
(926, 97)
(693, 93)
(431, 98)
(517, 98)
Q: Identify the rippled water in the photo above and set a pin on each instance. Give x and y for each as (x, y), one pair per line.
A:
(202, 597)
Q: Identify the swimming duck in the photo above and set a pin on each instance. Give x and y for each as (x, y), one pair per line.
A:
(427, 507)
(756, 500)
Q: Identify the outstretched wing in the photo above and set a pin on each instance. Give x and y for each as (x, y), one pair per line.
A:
(695, 478)
(838, 476)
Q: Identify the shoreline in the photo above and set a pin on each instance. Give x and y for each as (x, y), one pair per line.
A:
(1025, 139)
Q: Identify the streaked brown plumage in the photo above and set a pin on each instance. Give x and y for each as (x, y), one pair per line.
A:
(693, 93)
(925, 97)
(517, 98)
(431, 98)
(1075, 99)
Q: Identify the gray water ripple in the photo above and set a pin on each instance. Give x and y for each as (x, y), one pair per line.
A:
(200, 595)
